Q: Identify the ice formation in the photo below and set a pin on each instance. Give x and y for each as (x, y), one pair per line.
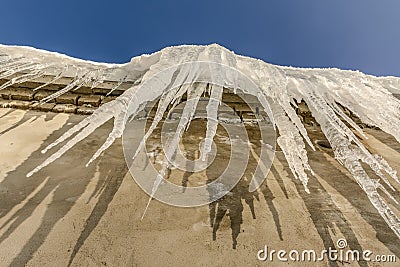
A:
(325, 91)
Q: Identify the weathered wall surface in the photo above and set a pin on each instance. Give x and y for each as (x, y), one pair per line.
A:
(82, 101)
(68, 213)
(85, 100)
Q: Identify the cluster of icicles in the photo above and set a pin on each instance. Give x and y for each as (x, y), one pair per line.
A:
(323, 90)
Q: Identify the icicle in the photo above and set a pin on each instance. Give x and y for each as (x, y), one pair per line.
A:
(188, 111)
(381, 187)
(117, 131)
(318, 104)
(87, 78)
(212, 118)
(340, 112)
(383, 112)
(74, 85)
(120, 82)
(199, 91)
(292, 146)
(72, 131)
(80, 136)
(172, 146)
(377, 166)
(166, 99)
(345, 155)
(99, 78)
(157, 183)
(23, 78)
(56, 78)
(162, 107)
(284, 102)
(21, 68)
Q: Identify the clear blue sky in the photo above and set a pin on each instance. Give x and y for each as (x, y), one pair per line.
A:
(349, 34)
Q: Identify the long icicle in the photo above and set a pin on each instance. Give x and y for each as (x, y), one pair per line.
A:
(188, 111)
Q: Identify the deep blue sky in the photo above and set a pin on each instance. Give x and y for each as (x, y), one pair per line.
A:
(349, 34)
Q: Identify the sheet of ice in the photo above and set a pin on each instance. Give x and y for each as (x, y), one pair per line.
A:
(325, 91)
